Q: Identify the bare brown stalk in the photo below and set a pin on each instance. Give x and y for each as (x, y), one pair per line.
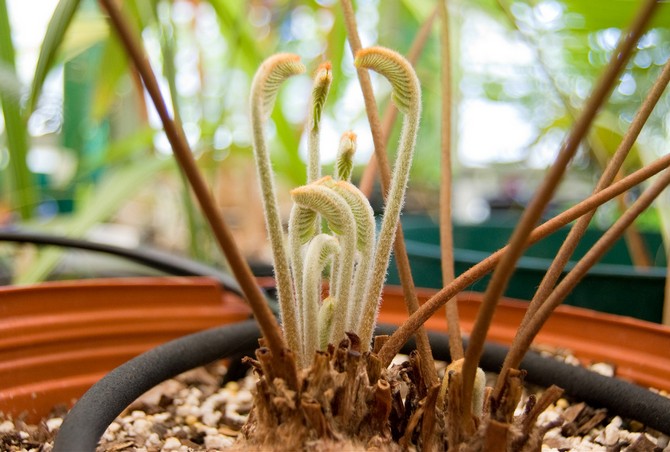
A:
(402, 261)
(522, 342)
(543, 195)
(611, 170)
(184, 155)
(391, 112)
(446, 226)
(394, 343)
(636, 246)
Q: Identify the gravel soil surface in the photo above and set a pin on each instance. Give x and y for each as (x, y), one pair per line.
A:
(193, 412)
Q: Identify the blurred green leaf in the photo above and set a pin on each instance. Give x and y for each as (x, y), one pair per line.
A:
(10, 86)
(113, 65)
(601, 14)
(120, 151)
(58, 25)
(609, 136)
(106, 199)
(235, 27)
(87, 29)
(15, 128)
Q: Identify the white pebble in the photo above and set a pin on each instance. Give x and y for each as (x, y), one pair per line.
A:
(211, 418)
(142, 426)
(572, 360)
(603, 369)
(162, 417)
(171, 443)
(153, 440)
(6, 427)
(54, 423)
(611, 432)
(114, 427)
(218, 442)
(138, 414)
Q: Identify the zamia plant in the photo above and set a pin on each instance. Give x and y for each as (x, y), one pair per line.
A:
(353, 258)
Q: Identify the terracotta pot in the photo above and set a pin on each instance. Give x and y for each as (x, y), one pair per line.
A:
(84, 425)
(638, 349)
(58, 338)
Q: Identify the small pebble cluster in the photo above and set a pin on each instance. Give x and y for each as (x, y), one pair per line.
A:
(189, 413)
(194, 413)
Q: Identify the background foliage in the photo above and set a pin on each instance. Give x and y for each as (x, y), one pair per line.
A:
(79, 146)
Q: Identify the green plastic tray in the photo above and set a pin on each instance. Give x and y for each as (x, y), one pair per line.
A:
(613, 285)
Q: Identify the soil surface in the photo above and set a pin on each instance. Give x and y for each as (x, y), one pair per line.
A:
(194, 412)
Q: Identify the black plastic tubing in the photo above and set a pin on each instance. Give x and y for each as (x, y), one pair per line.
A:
(89, 418)
(158, 260)
(87, 421)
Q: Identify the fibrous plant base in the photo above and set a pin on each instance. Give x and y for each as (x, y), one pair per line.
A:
(346, 400)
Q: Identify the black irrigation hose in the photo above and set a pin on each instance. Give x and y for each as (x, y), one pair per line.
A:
(89, 418)
(158, 260)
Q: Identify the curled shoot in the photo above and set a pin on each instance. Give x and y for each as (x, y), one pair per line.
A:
(336, 211)
(407, 97)
(365, 238)
(322, 250)
(264, 88)
(358, 260)
(345, 156)
(322, 82)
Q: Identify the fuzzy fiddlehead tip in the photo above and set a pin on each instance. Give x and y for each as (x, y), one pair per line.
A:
(270, 76)
(393, 66)
(345, 156)
(322, 82)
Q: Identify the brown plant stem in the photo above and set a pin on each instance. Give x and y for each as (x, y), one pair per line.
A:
(522, 342)
(636, 246)
(611, 171)
(367, 181)
(543, 195)
(446, 226)
(182, 152)
(394, 343)
(402, 261)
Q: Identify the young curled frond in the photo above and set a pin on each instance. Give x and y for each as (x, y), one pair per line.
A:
(360, 208)
(322, 82)
(303, 224)
(264, 89)
(325, 321)
(324, 201)
(398, 71)
(323, 249)
(345, 156)
(337, 212)
(269, 77)
(407, 95)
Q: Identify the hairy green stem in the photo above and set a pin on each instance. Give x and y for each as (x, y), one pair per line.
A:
(407, 96)
(365, 243)
(322, 82)
(336, 211)
(264, 89)
(321, 250)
